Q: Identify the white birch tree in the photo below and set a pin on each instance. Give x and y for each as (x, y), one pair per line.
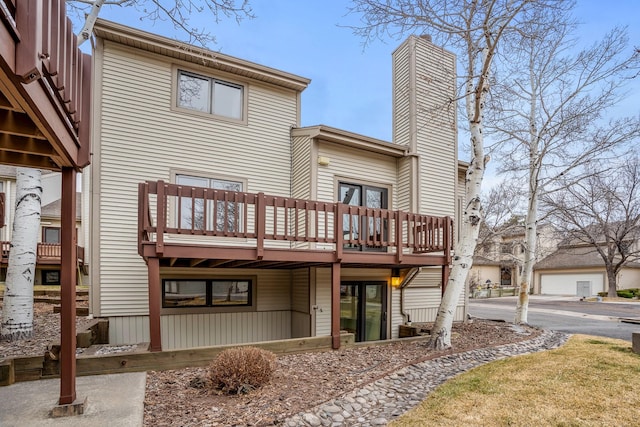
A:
(547, 116)
(475, 29)
(17, 310)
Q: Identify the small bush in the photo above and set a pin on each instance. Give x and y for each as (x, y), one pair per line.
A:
(240, 370)
(625, 293)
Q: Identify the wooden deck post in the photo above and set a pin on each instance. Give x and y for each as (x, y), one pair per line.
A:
(335, 305)
(68, 288)
(261, 219)
(155, 295)
(448, 246)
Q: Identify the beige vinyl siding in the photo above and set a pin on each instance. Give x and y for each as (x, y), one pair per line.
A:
(436, 137)
(273, 290)
(323, 302)
(142, 138)
(270, 321)
(354, 166)
(429, 276)
(200, 330)
(404, 188)
(300, 304)
(401, 95)
(422, 304)
(422, 297)
(128, 330)
(301, 168)
(396, 315)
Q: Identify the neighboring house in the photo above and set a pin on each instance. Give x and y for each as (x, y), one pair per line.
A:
(500, 257)
(48, 252)
(579, 270)
(217, 219)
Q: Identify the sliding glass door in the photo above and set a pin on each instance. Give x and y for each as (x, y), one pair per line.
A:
(363, 310)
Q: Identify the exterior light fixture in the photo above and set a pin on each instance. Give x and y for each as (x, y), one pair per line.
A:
(395, 277)
(324, 161)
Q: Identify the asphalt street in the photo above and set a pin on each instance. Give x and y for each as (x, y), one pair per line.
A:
(566, 314)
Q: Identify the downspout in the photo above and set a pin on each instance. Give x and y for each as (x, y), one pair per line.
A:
(406, 282)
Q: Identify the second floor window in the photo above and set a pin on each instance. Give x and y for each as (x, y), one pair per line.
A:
(218, 215)
(209, 95)
(51, 234)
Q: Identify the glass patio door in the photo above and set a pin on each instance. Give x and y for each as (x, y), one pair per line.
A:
(363, 310)
(353, 225)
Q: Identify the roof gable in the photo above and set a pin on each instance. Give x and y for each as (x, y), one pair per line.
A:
(185, 52)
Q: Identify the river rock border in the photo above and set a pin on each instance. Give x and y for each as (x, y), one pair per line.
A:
(387, 398)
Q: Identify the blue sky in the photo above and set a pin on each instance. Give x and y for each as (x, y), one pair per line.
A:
(351, 85)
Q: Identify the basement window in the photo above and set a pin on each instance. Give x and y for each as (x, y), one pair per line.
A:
(185, 293)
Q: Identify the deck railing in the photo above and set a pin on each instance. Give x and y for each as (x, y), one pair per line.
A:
(47, 253)
(2, 209)
(41, 47)
(170, 210)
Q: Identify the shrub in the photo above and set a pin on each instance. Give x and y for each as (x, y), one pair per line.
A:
(240, 370)
(625, 293)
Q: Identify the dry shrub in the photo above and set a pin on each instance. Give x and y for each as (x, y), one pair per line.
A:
(240, 370)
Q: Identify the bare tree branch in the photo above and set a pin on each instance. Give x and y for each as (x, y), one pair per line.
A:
(603, 212)
(179, 13)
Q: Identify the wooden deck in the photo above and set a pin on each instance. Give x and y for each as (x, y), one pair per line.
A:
(202, 227)
(48, 254)
(182, 226)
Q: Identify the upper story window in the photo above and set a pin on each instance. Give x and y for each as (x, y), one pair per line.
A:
(225, 215)
(51, 234)
(209, 95)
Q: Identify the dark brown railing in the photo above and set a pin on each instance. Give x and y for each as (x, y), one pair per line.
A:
(46, 50)
(48, 253)
(2, 209)
(170, 209)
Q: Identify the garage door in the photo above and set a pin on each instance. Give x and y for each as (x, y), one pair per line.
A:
(566, 284)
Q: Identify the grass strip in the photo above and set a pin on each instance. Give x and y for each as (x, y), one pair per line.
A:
(590, 381)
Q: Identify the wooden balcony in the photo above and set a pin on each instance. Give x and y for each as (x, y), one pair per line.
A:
(45, 87)
(201, 227)
(48, 254)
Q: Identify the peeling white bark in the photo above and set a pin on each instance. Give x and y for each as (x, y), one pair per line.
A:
(17, 311)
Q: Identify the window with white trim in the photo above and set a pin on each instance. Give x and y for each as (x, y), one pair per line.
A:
(209, 95)
(192, 212)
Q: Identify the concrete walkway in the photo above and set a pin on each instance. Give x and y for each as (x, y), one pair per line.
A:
(112, 400)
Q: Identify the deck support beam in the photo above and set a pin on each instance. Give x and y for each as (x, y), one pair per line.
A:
(155, 296)
(335, 305)
(68, 281)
